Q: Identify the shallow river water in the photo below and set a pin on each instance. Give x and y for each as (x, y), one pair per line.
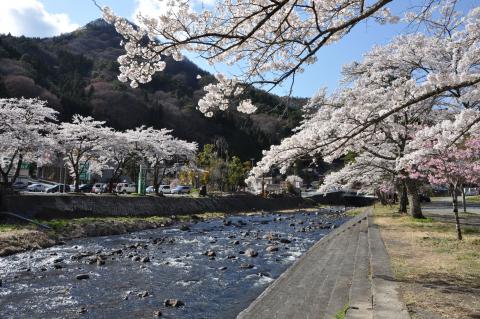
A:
(44, 284)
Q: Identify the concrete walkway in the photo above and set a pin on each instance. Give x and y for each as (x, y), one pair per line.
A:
(348, 269)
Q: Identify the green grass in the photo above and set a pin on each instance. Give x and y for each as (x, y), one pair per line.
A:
(355, 211)
(62, 224)
(342, 313)
(56, 224)
(7, 227)
(473, 199)
(421, 220)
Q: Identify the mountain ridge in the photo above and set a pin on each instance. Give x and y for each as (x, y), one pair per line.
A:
(77, 73)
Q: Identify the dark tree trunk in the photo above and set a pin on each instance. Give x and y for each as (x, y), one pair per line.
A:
(155, 180)
(4, 179)
(17, 170)
(413, 188)
(403, 201)
(455, 211)
(464, 201)
(77, 180)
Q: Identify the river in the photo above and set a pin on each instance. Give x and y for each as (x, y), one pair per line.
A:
(131, 275)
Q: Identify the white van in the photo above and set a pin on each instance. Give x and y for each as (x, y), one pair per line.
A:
(126, 188)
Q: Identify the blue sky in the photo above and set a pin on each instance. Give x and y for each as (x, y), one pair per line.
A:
(51, 17)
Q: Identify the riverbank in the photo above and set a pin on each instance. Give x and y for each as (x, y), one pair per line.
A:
(439, 276)
(15, 238)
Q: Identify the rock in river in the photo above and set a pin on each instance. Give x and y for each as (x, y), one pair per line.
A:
(271, 248)
(251, 253)
(246, 266)
(184, 228)
(82, 276)
(210, 253)
(173, 303)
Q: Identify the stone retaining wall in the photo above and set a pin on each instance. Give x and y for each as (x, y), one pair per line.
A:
(65, 206)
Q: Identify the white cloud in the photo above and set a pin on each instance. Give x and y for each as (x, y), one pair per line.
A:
(29, 18)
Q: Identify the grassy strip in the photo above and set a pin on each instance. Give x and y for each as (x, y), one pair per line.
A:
(354, 212)
(342, 313)
(7, 228)
(473, 199)
(437, 272)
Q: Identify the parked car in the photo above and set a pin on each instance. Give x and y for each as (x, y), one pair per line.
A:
(36, 187)
(58, 188)
(85, 188)
(150, 190)
(162, 189)
(181, 189)
(19, 185)
(126, 188)
(98, 188)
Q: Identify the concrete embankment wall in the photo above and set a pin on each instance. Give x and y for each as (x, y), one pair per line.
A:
(65, 206)
(342, 199)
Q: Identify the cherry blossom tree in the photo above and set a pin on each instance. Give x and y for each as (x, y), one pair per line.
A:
(273, 41)
(157, 147)
(411, 84)
(119, 148)
(441, 156)
(26, 126)
(82, 142)
(455, 166)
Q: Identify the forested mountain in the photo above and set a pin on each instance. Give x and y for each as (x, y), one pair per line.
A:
(77, 73)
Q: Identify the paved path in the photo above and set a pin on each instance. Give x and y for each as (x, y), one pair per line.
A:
(441, 209)
(349, 268)
(444, 205)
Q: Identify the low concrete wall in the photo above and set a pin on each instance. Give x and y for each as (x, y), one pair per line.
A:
(340, 198)
(65, 206)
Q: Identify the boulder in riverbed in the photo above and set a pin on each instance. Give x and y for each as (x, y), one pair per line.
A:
(246, 266)
(173, 303)
(210, 253)
(271, 248)
(251, 252)
(82, 276)
(184, 228)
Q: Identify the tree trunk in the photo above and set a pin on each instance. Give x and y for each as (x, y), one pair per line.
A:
(403, 202)
(77, 180)
(155, 180)
(464, 201)
(17, 170)
(414, 199)
(455, 211)
(454, 199)
(4, 179)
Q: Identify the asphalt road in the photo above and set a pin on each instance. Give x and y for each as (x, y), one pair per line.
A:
(444, 205)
